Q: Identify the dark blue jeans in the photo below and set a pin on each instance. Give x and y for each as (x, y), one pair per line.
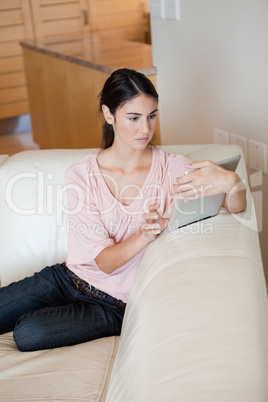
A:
(47, 311)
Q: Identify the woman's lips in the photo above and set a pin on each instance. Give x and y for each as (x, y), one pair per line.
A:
(145, 139)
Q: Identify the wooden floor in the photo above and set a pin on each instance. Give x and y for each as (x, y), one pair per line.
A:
(10, 144)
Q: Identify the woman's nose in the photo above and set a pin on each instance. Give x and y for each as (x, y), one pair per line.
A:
(145, 126)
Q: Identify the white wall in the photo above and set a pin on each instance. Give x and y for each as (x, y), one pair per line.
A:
(212, 72)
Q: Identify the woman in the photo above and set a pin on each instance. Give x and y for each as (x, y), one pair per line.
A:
(116, 199)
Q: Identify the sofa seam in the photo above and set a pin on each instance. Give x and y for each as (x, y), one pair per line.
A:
(107, 371)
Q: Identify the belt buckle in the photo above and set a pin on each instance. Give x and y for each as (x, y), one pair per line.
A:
(77, 283)
(77, 287)
(90, 290)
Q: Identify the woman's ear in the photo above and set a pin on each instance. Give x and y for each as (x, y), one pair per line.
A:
(107, 114)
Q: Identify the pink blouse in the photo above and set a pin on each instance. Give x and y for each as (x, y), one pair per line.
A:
(97, 219)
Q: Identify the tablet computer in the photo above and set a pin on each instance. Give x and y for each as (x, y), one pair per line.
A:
(186, 213)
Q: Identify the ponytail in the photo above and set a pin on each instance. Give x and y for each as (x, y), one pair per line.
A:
(107, 135)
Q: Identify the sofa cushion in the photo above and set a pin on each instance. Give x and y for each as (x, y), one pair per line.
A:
(33, 211)
(73, 373)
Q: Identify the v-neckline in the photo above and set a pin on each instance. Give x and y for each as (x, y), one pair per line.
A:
(108, 194)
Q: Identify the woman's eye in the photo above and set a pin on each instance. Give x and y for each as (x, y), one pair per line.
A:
(152, 116)
(133, 118)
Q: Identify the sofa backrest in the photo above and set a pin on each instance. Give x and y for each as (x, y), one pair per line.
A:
(33, 204)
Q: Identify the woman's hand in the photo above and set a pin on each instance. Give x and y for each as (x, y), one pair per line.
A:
(210, 179)
(113, 257)
(154, 223)
(207, 179)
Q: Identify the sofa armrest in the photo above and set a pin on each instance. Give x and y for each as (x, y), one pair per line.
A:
(197, 320)
(196, 323)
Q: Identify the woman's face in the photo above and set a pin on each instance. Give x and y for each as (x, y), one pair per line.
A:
(134, 123)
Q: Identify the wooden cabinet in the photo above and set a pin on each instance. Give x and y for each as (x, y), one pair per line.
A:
(125, 19)
(58, 17)
(15, 25)
(30, 19)
(37, 19)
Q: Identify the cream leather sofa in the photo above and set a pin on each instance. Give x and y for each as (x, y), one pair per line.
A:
(196, 324)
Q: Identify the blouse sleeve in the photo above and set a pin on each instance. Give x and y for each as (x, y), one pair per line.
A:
(86, 233)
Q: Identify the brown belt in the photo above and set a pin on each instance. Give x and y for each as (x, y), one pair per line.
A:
(91, 291)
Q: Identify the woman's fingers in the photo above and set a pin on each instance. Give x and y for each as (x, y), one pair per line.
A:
(154, 223)
(207, 179)
(153, 207)
(150, 216)
(186, 191)
(151, 227)
(198, 164)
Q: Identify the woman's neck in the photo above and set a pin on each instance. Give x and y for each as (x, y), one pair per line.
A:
(128, 158)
